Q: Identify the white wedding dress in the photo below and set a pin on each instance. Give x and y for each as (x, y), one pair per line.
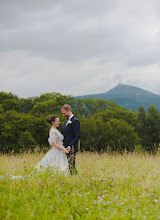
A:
(54, 159)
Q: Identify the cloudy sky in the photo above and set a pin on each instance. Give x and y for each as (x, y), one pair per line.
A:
(78, 47)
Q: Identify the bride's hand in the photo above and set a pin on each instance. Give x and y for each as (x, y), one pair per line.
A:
(66, 150)
(53, 143)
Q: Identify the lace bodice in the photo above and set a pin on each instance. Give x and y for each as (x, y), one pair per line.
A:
(55, 136)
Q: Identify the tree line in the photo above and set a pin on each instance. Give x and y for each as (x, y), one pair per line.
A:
(105, 126)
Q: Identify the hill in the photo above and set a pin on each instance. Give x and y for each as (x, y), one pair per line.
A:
(129, 97)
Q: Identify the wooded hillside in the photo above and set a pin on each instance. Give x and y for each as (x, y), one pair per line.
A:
(105, 126)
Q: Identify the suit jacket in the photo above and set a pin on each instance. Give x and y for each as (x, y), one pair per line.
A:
(71, 133)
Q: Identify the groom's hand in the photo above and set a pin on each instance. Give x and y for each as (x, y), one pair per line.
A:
(68, 148)
(66, 151)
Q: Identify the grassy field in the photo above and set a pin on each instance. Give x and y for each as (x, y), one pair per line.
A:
(106, 187)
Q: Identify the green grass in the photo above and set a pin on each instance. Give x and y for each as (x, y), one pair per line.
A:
(106, 187)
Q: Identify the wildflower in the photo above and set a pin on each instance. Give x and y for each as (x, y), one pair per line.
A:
(109, 203)
(155, 200)
(99, 194)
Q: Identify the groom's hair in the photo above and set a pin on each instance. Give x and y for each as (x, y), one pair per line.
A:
(66, 107)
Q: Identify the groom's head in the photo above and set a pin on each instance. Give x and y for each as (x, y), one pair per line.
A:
(66, 111)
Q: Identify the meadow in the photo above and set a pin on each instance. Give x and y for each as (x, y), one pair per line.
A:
(106, 187)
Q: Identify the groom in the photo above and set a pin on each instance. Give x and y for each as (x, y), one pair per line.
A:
(71, 133)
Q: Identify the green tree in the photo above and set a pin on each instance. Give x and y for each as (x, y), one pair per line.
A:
(9, 101)
(25, 142)
(13, 124)
(47, 107)
(79, 107)
(26, 105)
(1, 109)
(92, 134)
(9, 133)
(119, 113)
(153, 127)
(142, 127)
(5, 96)
(120, 135)
(60, 99)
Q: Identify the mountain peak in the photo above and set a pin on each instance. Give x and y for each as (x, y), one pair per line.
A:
(129, 97)
(127, 90)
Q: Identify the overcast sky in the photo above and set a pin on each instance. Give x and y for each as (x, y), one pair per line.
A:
(78, 47)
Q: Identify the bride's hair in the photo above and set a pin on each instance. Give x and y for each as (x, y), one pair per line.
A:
(51, 118)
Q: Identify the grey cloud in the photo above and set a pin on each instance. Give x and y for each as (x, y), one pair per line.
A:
(60, 32)
(96, 41)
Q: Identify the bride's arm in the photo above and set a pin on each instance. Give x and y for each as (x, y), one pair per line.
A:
(52, 140)
(59, 147)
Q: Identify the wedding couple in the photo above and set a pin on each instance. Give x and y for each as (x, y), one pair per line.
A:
(64, 145)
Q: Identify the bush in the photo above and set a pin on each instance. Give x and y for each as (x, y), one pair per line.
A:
(25, 142)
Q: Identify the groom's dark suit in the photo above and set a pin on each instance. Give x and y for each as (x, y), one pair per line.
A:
(71, 133)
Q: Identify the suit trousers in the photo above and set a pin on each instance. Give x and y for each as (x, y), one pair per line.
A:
(71, 156)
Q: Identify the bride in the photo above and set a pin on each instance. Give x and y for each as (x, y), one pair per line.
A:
(55, 158)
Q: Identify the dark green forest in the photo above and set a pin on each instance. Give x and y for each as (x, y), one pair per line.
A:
(105, 126)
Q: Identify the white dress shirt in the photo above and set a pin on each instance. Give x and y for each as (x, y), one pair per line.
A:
(71, 117)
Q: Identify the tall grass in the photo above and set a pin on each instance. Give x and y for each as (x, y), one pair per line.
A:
(106, 187)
